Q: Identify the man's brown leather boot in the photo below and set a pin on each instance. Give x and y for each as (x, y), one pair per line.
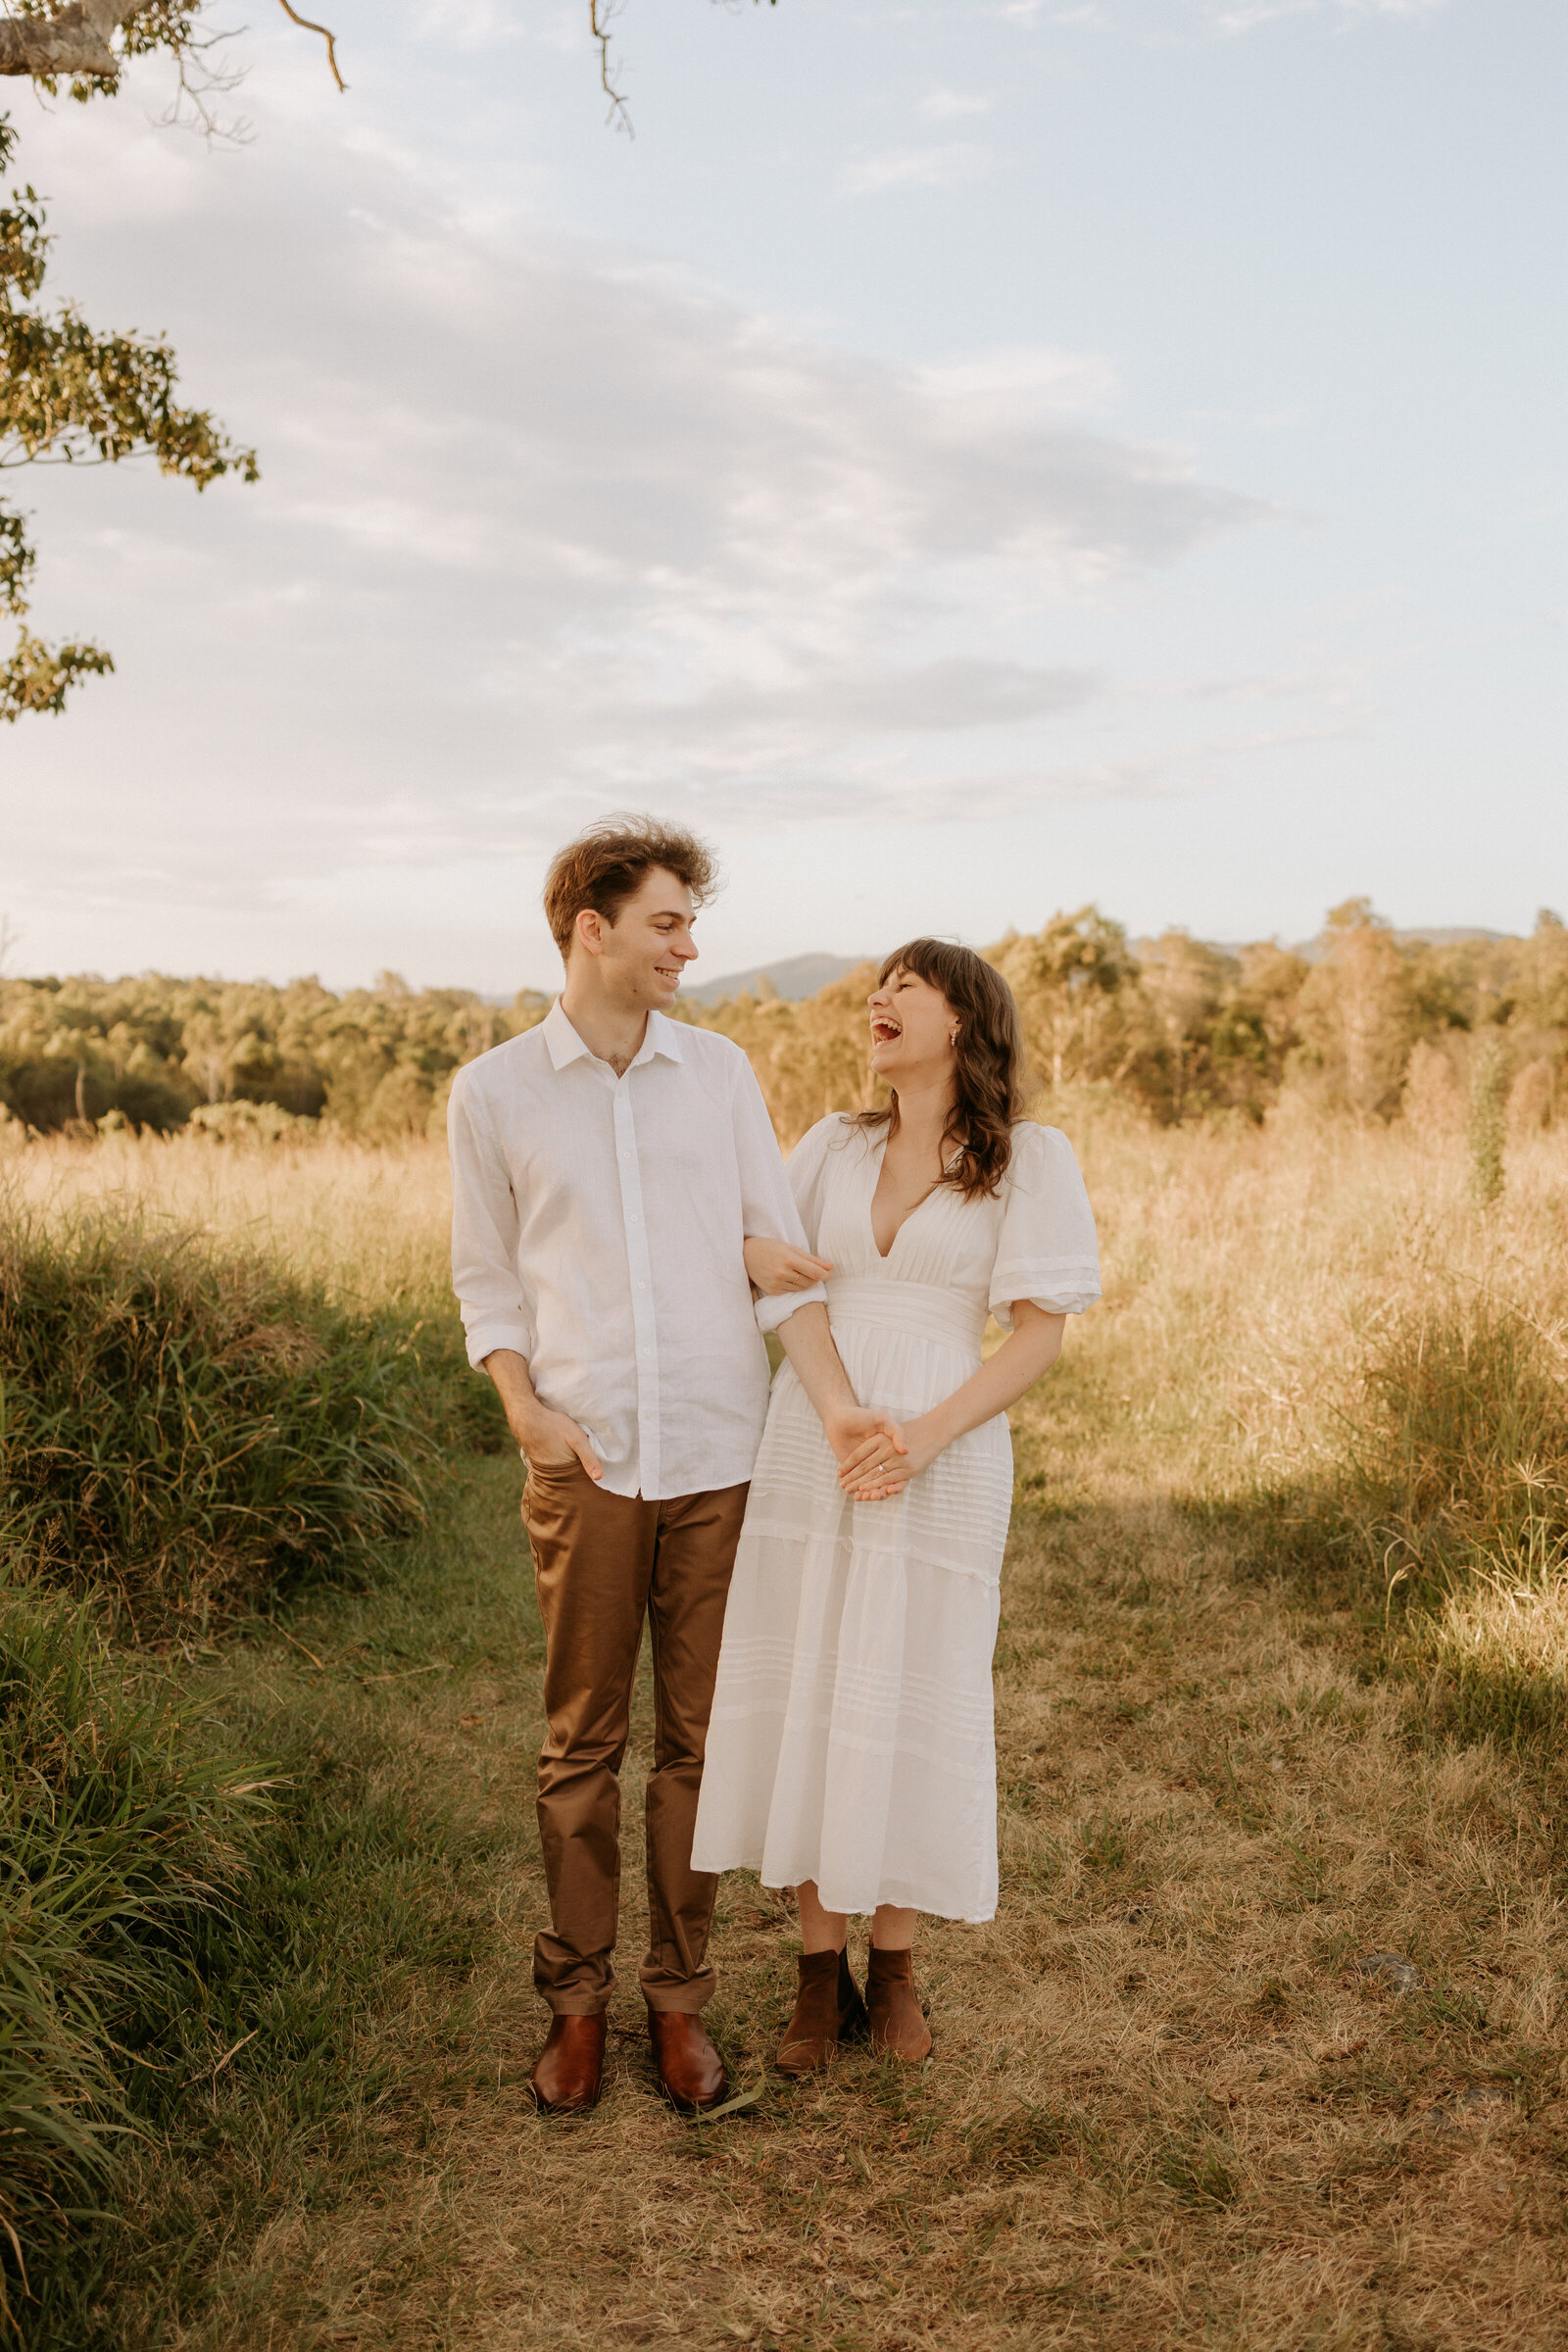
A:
(691, 2072)
(897, 2027)
(828, 2010)
(572, 2064)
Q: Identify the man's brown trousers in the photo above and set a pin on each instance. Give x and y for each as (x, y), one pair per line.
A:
(601, 1563)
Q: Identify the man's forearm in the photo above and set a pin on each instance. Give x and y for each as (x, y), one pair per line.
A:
(806, 1338)
(509, 1372)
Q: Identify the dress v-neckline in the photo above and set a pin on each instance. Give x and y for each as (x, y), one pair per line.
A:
(870, 1208)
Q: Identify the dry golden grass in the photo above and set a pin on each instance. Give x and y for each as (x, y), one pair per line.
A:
(368, 1223)
(1164, 2108)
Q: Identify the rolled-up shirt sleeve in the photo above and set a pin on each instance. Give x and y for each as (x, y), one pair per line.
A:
(767, 1203)
(484, 1233)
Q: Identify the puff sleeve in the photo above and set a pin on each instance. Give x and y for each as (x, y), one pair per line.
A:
(1047, 1252)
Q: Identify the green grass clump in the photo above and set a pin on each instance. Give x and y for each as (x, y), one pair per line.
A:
(189, 1950)
(118, 1851)
(1495, 1650)
(1463, 1451)
(1462, 1510)
(326, 2011)
(191, 1433)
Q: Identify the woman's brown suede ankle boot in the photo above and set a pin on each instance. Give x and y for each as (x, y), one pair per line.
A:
(898, 2026)
(828, 2010)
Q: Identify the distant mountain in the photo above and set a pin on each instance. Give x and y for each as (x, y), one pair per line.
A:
(1445, 939)
(796, 976)
(1314, 949)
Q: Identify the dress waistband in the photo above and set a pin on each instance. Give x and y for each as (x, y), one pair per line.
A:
(925, 1310)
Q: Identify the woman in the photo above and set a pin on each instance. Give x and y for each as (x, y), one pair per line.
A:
(850, 1750)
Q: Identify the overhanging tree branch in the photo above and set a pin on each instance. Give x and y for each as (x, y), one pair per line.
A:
(74, 41)
(602, 14)
(69, 395)
(306, 24)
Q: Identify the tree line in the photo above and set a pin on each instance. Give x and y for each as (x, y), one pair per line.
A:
(1362, 1023)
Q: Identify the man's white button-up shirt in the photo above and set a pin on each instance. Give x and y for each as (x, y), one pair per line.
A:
(597, 1225)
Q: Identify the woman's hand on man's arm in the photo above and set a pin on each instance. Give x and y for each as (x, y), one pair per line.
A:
(775, 1269)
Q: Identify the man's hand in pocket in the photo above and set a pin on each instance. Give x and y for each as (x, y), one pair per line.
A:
(553, 1441)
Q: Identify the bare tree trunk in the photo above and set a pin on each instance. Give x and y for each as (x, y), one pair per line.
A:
(82, 1092)
(74, 40)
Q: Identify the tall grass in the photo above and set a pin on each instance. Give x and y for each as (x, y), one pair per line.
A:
(314, 1999)
(194, 1422)
(1496, 1647)
(1466, 1437)
(1323, 1329)
(120, 1847)
(1209, 1805)
(190, 1431)
(366, 1227)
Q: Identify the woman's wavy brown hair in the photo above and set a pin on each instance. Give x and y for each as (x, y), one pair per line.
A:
(989, 1056)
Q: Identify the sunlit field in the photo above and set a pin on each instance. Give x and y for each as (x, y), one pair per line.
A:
(1263, 2048)
(370, 1225)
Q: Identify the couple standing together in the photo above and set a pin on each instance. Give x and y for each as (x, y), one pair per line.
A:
(819, 1566)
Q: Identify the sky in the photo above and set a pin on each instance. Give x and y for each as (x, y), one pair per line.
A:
(969, 458)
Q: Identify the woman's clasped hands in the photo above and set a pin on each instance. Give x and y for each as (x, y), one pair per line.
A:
(874, 1454)
(883, 1465)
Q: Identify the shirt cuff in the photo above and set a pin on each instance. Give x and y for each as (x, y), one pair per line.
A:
(772, 1312)
(499, 1331)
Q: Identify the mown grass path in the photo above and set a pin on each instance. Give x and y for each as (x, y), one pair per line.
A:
(1164, 2110)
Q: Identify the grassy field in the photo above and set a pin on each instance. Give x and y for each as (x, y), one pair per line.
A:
(1278, 1687)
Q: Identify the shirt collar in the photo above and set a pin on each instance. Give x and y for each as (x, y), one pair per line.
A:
(564, 1044)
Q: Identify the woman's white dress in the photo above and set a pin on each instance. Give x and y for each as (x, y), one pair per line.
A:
(850, 1740)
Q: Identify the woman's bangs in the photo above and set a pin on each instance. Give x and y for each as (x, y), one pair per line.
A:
(932, 961)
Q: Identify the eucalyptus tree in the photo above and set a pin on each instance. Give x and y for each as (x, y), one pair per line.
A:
(69, 394)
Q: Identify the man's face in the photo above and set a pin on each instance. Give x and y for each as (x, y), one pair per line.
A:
(646, 948)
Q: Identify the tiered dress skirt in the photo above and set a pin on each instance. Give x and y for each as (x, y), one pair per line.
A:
(851, 1741)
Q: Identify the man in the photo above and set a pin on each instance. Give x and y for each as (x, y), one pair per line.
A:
(607, 1168)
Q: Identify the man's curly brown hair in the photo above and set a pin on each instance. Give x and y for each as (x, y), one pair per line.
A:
(609, 862)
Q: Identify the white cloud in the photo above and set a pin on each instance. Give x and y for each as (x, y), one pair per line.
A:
(542, 529)
(1020, 382)
(943, 166)
(1245, 16)
(941, 105)
(465, 24)
(1162, 19)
